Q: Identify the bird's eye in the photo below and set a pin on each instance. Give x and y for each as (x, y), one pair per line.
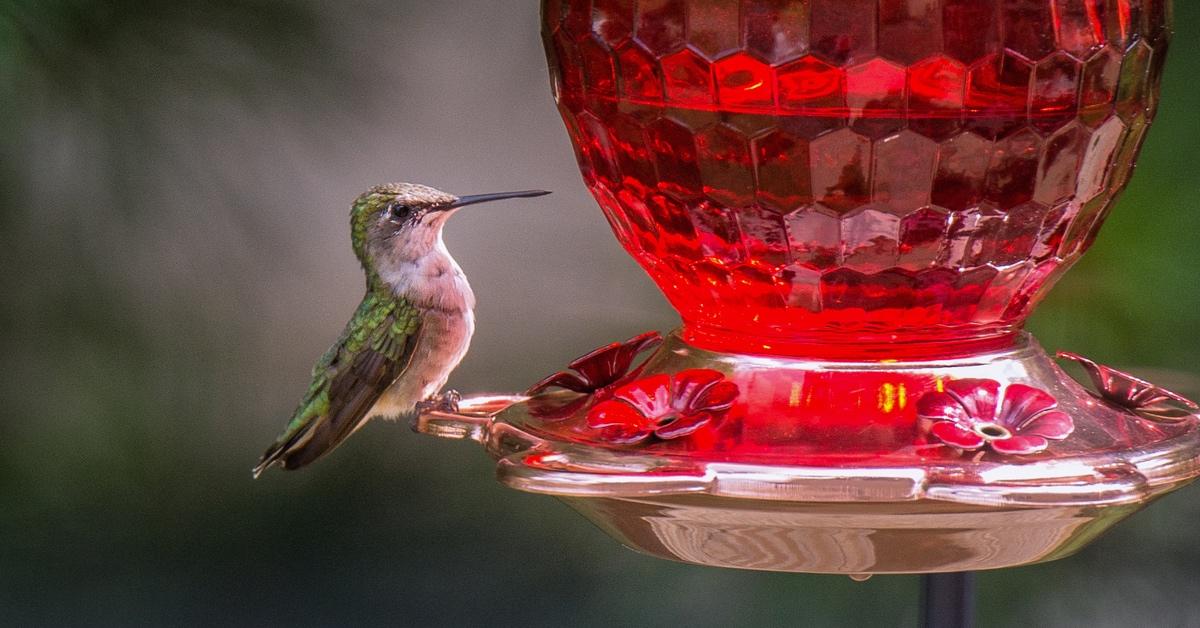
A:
(399, 211)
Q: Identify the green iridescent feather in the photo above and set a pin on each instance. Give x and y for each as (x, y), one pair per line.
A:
(370, 353)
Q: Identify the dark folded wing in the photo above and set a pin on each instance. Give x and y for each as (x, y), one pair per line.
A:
(372, 352)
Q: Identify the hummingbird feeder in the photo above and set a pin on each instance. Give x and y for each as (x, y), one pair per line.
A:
(854, 205)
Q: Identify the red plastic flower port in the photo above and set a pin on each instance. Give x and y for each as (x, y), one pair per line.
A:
(663, 406)
(970, 414)
(1134, 394)
(601, 368)
(593, 374)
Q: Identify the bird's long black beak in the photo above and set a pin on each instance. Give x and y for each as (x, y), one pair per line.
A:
(463, 201)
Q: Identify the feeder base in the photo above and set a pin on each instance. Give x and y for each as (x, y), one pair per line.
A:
(846, 538)
(836, 467)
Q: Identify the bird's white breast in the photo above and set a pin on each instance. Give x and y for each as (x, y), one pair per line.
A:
(437, 287)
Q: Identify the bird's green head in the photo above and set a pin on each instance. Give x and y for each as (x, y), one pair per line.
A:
(387, 211)
(401, 222)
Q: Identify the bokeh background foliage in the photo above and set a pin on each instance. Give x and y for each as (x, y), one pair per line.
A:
(174, 178)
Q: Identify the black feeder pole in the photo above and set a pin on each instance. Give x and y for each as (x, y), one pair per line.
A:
(948, 600)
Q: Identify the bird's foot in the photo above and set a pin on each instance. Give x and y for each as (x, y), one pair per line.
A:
(445, 402)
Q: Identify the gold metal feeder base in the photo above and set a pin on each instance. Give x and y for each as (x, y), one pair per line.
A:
(847, 538)
(878, 516)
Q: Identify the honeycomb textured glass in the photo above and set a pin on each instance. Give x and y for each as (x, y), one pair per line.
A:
(796, 176)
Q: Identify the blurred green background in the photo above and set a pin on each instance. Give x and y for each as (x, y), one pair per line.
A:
(174, 184)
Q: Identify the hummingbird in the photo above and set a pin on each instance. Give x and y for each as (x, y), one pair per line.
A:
(411, 330)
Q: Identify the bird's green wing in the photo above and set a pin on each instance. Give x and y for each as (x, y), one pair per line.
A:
(347, 381)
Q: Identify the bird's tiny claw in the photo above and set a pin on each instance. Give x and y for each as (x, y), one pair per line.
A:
(446, 402)
(451, 399)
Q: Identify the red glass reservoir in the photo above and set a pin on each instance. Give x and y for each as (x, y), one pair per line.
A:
(855, 178)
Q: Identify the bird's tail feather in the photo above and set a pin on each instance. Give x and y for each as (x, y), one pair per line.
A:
(312, 441)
